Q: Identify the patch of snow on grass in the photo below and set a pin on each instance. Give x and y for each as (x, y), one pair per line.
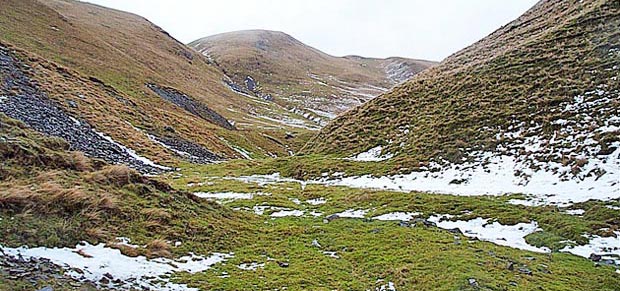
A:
(371, 155)
(402, 216)
(575, 211)
(497, 177)
(263, 180)
(125, 241)
(386, 287)
(133, 272)
(315, 213)
(316, 201)
(260, 209)
(531, 202)
(225, 195)
(331, 254)
(250, 266)
(495, 232)
(284, 213)
(607, 247)
(352, 213)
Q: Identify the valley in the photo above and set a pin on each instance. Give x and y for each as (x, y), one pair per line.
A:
(251, 161)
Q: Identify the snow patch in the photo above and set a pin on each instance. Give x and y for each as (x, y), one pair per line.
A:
(575, 211)
(352, 213)
(133, 272)
(251, 266)
(496, 176)
(386, 287)
(331, 254)
(505, 235)
(492, 174)
(316, 201)
(607, 247)
(226, 195)
(371, 155)
(401, 216)
(284, 213)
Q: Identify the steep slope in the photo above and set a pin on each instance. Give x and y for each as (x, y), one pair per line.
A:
(127, 79)
(542, 92)
(278, 67)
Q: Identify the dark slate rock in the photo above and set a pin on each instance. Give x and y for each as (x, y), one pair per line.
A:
(24, 101)
(283, 264)
(525, 271)
(190, 151)
(192, 106)
(250, 84)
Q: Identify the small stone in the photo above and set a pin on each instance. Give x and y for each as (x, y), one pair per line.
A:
(473, 282)
(525, 271)
(283, 264)
(594, 257)
(511, 266)
(332, 217)
(46, 288)
(403, 223)
(455, 231)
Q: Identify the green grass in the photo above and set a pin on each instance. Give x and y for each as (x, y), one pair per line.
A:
(36, 169)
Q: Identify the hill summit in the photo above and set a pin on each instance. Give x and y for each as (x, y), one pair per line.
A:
(278, 67)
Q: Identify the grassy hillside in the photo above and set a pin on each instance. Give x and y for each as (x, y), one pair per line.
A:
(91, 48)
(300, 77)
(550, 78)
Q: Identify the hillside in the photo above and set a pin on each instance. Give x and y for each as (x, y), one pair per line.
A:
(127, 79)
(278, 67)
(542, 91)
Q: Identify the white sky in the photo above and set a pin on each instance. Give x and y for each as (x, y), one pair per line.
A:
(424, 29)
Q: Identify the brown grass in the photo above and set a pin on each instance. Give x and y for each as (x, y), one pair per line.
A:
(50, 197)
(118, 175)
(158, 248)
(127, 250)
(80, 161)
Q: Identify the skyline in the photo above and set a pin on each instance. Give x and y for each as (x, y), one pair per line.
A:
(367, 28)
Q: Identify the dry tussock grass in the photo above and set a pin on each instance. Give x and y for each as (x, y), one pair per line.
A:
(51, 197)
(80, 162)
(158, 248)
(97, 233)
(118, 175)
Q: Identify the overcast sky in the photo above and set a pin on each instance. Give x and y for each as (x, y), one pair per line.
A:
(422, 29)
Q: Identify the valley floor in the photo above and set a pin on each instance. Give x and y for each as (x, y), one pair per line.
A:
(302, 235)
